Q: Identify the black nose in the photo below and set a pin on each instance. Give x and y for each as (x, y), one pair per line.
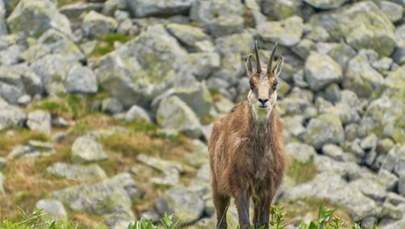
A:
(263, 101)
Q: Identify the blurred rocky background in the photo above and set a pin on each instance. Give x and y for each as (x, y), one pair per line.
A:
(106, 106)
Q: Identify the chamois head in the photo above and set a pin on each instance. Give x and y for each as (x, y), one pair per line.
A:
(263, 83)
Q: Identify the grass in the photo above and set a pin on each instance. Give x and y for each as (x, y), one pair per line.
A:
(18, 136)
(68, 2)
(301, 172)
(106, 45)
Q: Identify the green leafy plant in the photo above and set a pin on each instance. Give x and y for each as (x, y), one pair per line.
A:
(167, 222)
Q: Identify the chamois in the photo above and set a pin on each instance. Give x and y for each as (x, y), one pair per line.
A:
(246, 149)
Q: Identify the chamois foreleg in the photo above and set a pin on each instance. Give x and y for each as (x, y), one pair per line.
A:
(242, 205)
(221, 203)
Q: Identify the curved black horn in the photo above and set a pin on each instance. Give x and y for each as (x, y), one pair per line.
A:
(269, 66)
(259, 68)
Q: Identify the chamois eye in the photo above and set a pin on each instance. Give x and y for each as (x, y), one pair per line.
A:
(252, 85)
(274, 87)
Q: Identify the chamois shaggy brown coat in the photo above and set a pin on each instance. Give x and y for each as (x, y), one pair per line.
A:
(247, 160)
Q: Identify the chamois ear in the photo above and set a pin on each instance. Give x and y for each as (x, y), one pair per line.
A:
(249, 65)
(278, 66)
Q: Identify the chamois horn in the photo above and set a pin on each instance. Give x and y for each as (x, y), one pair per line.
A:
(258, 67)
(269, 67)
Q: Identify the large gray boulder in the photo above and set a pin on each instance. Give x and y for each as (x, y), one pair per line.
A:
(175, 116)
(10, 116)
(77, 172)
(286, 32)
(321, 70)
(334, 189)
(3, 26)
(96, 25)
(325, 4)
(219, 17)
(34, 17)
(188, 35)
(324, 129)
(362, 78)
(184, 204)
(363, 25)
(111, 198)
(52, 210)
(87, 149)
(40, 121)
(145, 8)
(80, 79)
(280, 9)
(143, 68)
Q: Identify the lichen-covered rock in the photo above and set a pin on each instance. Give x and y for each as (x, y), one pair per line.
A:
(170, 169)
(226, 25)
(362, 78)
(392, 10)
(144, 8)
(112, 197)
(86, 149)
(187, 34)
(348, 197)
(77, 172)
(137, 113)
(34, 17)
(363, 25)
(370, 188)
(175, 116)
(325, 4)
(324, 129)
(399, 53)
(3, 26)
(142, 68)
(111, 106)
(73, 11)
(287, 32)
(184, 204)
(52, 210)
(300, 152)
(32, 149)
(10, 115)
(321, 70)
(40, 121)
(96, 25)
(80, 79)
(202, 64)
(396, 78)
(342, 53)
(280, 9)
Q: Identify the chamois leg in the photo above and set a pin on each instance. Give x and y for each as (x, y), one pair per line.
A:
(221, 204)
(264, 212)
(242, 205)
(256, 213)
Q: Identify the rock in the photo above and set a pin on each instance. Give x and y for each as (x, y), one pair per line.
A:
(11, 55)
(350, 198)
(325, 4)
(96, 25)
(32, 149)
(77, 172)
(3, 26)
(361, 78)
(321, 70)
(334, 152)
(111, 6)
(73, 11)
(80, 79)
(10, 116)
(383, 118)
(34, 17)
(52, 210)
(392, 10)
(342, 53)
(111, 197)
(387, 179)
(137, 113)
(332, 93)
(2, 191)
(111, 106)
(401, 183)
(383, 65)
(52, 69)
(371, 188)
(363, 26)
(195, 95)
(203, 64)
(348, 170)
(145, 8)
(384, 146)
(324, 129)
(399, 53)
(287, 32)
(280, 9)
(226, 26)
(395, 199)
(390, 211)
(303, 48)
(170, 169)
(294, 125)
(318, 34)
(184, 204)
(206, 13)
(395, 79)
(86, 149)
(369, 143)
(187, 35)
(142, 68)
(175, 116)
(40, 121)
(3, 163)
(300, 152)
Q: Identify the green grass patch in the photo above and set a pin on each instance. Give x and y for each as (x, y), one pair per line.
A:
(301, 172)
(106, 45)
(18, 136)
